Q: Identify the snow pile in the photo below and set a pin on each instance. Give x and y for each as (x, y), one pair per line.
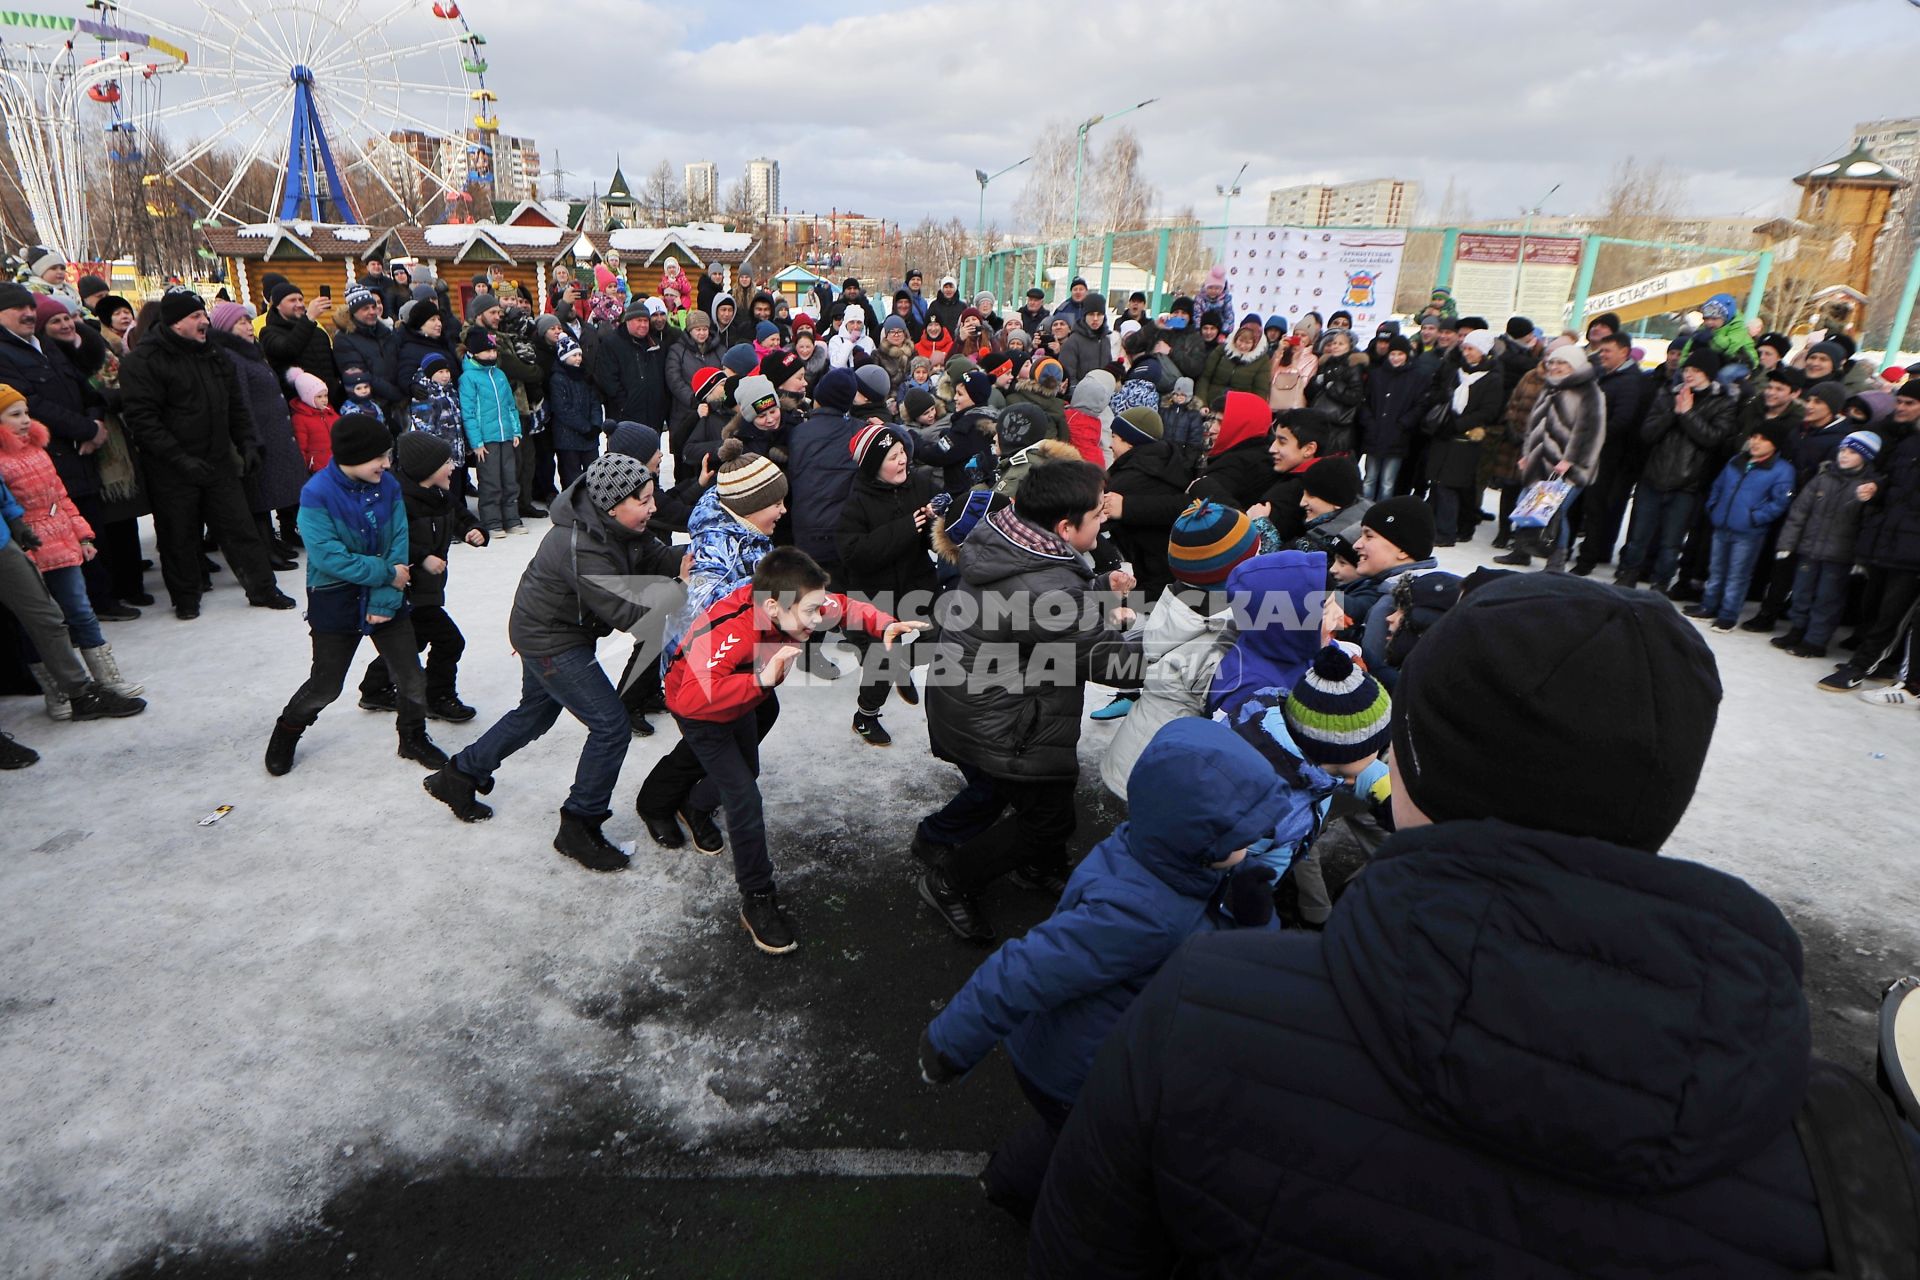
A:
(259, 230)
(446, 235)
(358, 234)
(538, 237)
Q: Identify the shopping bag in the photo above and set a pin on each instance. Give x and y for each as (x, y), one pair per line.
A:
(1539, 503)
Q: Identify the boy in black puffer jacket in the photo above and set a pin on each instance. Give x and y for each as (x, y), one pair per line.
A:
(426, 470)
(886, 558)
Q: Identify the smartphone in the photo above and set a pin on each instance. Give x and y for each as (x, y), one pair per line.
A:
(326, 291)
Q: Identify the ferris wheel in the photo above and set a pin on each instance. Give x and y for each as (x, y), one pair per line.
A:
(347, 105)
(53, 70)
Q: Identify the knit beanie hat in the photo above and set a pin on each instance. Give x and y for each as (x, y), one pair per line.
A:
(894, 323)
(1207, 541)
(420, 454)
(1250, 321)
(483, 303)
(917, 402)
(354, 376)
(1865, 443)
(836, 390)
(567, 347)
(224, 315)
(414, 316)
(779, 366)
(979, 385)
(874, 383)
(1335, 480)
(765, 330)
(1908, 390)
(9, 396)
(754, 395)
(751, 483)
(47, 307)
(278, 294)
(1139, 425)
(959, 367)
(478, 338)
(1703, 358)
(1832, 351)
(1831, 394)
(1777, 431)
(1480, 340)
(1601, 692)
(431, 361)
(612, 478)
(1049, 372)
(360, 296)
(14, 295)
(635, 440)
(704, 381)
(1337, 713)
(90, 285)
(177, 304)
(1405, 522)
(740, 359)
(358, 438)
(1183, 387)
(699, 320)
(871, 445)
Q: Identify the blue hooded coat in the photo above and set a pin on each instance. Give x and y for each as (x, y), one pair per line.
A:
(1268, 593)
(1200, 792)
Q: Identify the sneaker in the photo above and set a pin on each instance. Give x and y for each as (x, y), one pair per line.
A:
(1894, 697)
(1041, 878)
(707, 836)
(115, 612)
(455, 790)
(870, 730)
(1805, 650)
(1761, 623)
(97, 703)
(766, 924)
(449, 708)
(956, 909)
(580, 838)
(1845, 680)
(387, 699)
(278, 600)
(15, 755)
(665, 830)
(1121, 704)
(1788, 640)
(1721, 628)
(908, 693)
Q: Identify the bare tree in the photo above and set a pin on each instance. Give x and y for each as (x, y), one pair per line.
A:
(1420, 263)
(661, 195)
(1046, 194)
(1188, 253)
(1641, 202)
(1118, 197)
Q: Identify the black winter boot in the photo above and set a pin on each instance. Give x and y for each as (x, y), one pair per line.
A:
(448, 707)
(97, 702)
(766, 924)
(13, 755)
(580, 839)
(707, 836)
(958, 911)
(665, 830)
(385, 698)
(455, 790)
(416, 746)
(286, 736)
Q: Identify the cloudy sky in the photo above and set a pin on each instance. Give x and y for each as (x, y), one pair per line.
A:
(889, 107)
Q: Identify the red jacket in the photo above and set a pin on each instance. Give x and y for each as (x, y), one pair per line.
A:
(50, 513)
(1083, 433)
(313, 429)
(714, 676)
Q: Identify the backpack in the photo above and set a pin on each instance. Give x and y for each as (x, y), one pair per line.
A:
(1861, 1157)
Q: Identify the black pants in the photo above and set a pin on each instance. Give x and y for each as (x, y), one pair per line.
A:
(119, 542)
(437, 636)
(333, 658)
(640, 690)
(1019, 1165)
(1879, 641)
(573, 462)
(1043, 822)
(181, 509)
(536, 468)
(880, 669)
(717, 765)
(1604, 510)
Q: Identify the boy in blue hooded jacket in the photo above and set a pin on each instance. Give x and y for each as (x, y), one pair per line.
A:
(354, 523)
(1053, 994)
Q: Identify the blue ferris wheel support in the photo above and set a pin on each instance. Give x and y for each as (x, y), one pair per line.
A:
(309, 158)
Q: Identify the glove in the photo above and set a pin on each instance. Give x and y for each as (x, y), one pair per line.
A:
(1375, 783)
(23, 534)
(935, 1069)
(940, 502)
(1249, 895)
(250, 459)
(195, 470)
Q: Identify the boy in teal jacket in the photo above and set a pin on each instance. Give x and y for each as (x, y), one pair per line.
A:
(493, 432)
(354, 523)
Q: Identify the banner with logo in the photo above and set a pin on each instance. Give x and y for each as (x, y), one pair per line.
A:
(1290, 271)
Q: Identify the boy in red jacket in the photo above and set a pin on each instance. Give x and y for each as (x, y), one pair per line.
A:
(720, 688)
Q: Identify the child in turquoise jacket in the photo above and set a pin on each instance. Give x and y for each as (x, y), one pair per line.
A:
(354, 523)
(493, 432)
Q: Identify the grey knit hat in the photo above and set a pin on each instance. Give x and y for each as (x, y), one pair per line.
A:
(613, 478)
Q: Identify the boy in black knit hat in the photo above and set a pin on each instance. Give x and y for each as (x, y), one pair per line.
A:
(434, 520)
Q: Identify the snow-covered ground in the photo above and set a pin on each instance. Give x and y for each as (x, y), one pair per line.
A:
(205, 1032)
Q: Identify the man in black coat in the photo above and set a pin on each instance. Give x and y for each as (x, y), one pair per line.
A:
(291, 340)
(851, 295)
(181, 402)
(372, 346)
(630, 367)
(1586, 1059)
(1627, 390)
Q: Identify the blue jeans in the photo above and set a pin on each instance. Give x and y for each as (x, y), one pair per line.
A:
(572, 681)
(1564, 520)
(1382, 475)
(69, 590)
(1661, 519)
(1731, 574)
(1819, 594)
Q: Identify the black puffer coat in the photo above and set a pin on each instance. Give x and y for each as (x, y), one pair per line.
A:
(887, 559)
(283, 468)
(1391, 413)
(54, 381)
(1584, 1061)
(820, 472)
(434, 520)
(632, 377)
(565, 600)
(1239, 476)
(180, 400)
(300, 344)
(1152, 481)
(1019, 617)
(376, 349)
(415, 347)
(1890, 531)
(1684, 450)
(684, 359)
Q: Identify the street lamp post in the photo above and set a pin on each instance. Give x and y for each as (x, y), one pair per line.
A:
(983, 178)
(1079, 162)
(1520, 268)
(1231, 190)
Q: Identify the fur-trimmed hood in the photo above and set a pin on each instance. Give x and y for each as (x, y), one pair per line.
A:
(37, 438)
(1260, 351)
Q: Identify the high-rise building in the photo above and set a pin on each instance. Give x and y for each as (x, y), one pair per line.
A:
(1377, 202)
(517, 169)
(763, 187)
(702, 183)
(1896, 144)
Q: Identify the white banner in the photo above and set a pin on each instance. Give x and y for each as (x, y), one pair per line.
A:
(1290, 271)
